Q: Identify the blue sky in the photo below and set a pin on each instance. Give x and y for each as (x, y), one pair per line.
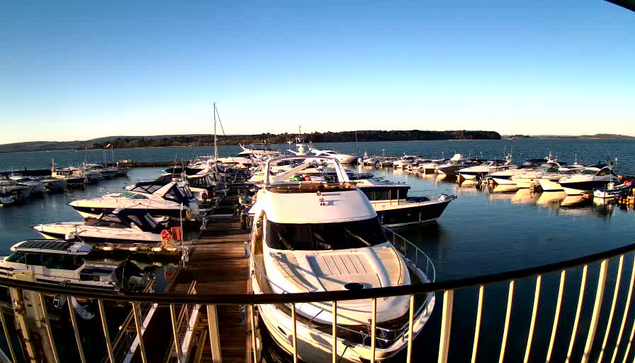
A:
(78, 70)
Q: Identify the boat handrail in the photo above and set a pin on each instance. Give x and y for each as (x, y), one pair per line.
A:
(412, 253)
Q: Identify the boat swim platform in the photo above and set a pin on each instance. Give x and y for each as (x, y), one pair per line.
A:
(218, 264)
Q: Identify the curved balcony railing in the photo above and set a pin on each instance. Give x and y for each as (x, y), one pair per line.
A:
(600, 331)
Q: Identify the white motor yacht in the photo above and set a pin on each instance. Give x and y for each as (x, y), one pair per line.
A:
(105, 171)
(36, 186)
(480, 171)
(54, 185)
(342, 158)
(453, 165)
(311, 235)
(67, 263)
(405, 162)
(8, 186)
(592, 177)
(126, 225)
(170, 200)
(73, 176)
(6, 199)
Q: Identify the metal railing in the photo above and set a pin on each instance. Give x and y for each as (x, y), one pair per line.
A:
(592, 334)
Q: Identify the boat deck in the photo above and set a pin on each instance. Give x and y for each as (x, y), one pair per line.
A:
(219, 266)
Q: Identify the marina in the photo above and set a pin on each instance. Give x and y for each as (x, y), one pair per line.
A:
(210, 258)
(390, 182)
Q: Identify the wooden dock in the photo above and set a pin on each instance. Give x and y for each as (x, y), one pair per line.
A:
(219, 265)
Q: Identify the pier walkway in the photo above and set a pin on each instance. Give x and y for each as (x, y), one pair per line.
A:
(219, 266)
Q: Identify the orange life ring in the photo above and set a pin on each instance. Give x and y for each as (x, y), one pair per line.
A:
(166, 235)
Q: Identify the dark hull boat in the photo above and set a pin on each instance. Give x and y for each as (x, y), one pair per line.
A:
(414, 211)
(395, 209)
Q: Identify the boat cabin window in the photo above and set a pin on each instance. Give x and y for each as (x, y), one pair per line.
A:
(604, 171)
(386, 193)
(173, 195)
(201, 182)
(325, 236)
(48, 260)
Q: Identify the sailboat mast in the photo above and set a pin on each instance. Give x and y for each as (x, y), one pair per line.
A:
(215, 137)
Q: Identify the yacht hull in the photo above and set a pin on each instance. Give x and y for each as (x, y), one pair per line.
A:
(585, 187)
(504, 181)
(411, 213)
(550, 185)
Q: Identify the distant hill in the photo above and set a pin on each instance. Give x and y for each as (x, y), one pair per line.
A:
(588, 137)
(120, 142)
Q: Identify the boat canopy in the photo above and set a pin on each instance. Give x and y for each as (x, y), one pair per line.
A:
(52, 246)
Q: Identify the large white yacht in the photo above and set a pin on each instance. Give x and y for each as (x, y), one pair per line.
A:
(126, 225)
(170, 200)
(311, 235)
(592, 177)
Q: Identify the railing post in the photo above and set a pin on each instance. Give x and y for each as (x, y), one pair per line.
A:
(577, 312)
(137, 323)
(334, 332)
(175, 333)
(253, 333)
(8, 337)
(532, 324)
(214, 333)
(477, 324)
(446, 325)
(556, 316)
(47, 327)
(78, 339)
(411, 319)
(609, 322)
(599, 295)
(508, 313)
(373, 327)
(626, 307)
(104, 326)
(295, 336)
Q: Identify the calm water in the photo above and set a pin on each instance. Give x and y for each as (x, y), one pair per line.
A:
(587, 151)
(481, 232)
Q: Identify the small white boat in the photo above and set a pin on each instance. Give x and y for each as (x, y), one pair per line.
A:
(6, 199)
(612, 190)
(127, 225)
(67, 263)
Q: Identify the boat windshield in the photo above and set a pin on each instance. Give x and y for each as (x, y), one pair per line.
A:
(589, 172)
(325, 236)
(131, 195)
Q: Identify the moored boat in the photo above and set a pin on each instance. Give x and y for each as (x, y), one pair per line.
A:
(330, 239)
